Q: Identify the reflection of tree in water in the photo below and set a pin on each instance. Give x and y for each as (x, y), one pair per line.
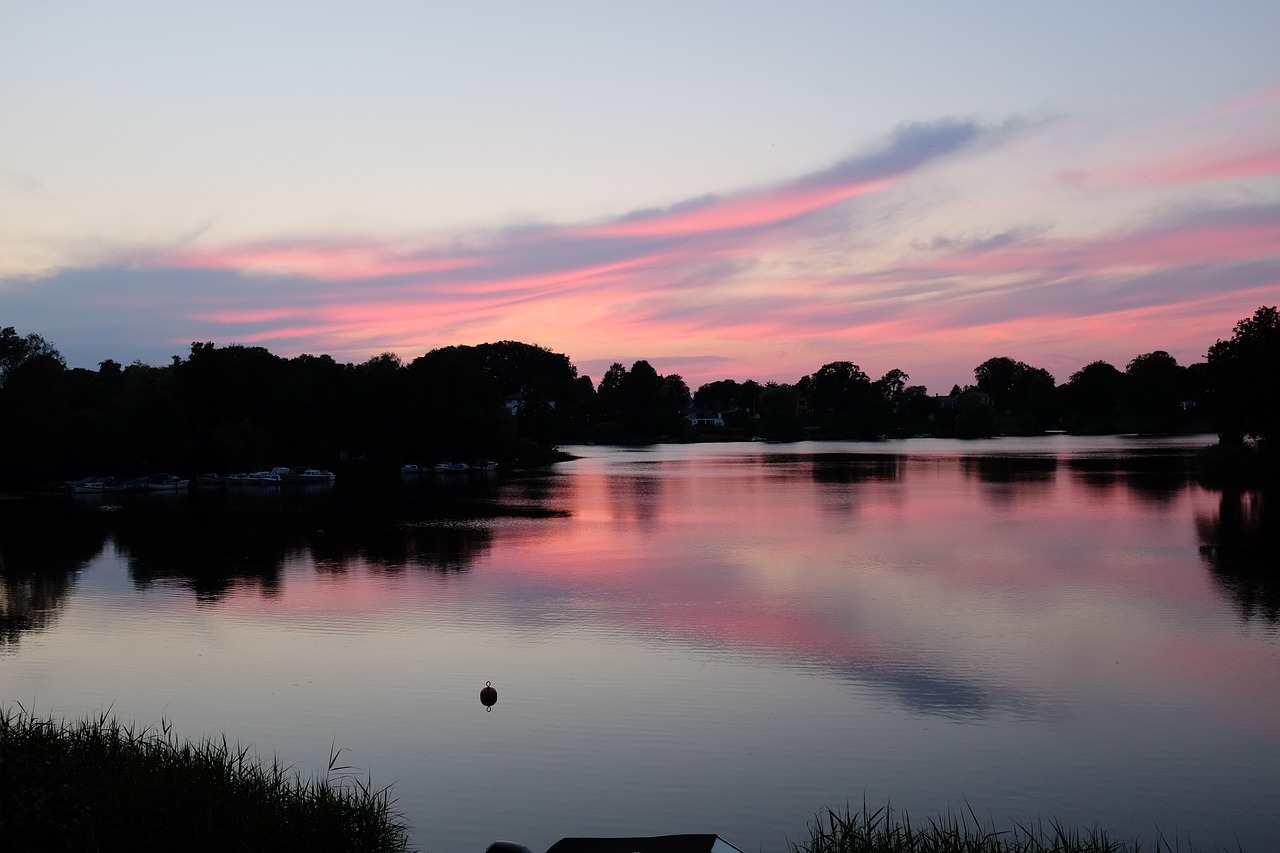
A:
(42, 547)
(208, 548)
(1153, 477)
(215, 541)
(840, 477)
(1241, 544)
(1010, 469)
(844, 468)
(437, 545)
(636, 496)
(1007, 480)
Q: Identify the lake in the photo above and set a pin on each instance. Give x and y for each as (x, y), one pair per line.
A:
(719, 638)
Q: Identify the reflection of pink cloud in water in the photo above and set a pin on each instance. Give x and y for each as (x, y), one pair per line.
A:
(932, 580)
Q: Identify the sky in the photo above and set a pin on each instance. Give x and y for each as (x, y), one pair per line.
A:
(742, 190)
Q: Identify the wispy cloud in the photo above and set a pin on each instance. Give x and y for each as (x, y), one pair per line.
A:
(848, 261)
(1233, 142)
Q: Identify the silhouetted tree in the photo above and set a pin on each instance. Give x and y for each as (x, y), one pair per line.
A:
(905, 409)
(1033, 399)
(995, 376)
(842, 401)
(1023, 396)
(779, 412)
(1154, 392)
(1092, 398)
(35, 402)
(16, 349)
(641, 399)
(973, 416)
(459, 412)
(1245, 379)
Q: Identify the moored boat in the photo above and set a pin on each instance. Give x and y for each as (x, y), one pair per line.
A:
(97, 486)
(313, 475)
(166, 483)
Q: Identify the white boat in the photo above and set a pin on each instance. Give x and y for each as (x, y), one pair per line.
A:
(452, 468)
(166, 483)
(280, 475)
(97, 486)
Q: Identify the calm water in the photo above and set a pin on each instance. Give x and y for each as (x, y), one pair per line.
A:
(709, 638)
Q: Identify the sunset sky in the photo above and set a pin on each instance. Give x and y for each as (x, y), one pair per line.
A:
(729, 190)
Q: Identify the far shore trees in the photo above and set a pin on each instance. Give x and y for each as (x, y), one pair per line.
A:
(1244, 378)
(234, 407)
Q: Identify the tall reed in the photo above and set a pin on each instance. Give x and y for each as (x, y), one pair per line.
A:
(886, 831)
(97, 785)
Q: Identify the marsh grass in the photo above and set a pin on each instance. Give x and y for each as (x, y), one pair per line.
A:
(884, 831)
(98, 785)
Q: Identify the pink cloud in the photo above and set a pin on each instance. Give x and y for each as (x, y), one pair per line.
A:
(766, 283)
(1172, 246)
(1200, 167)
(1248, 102)
(248, 316)
(745, 211)
(1247, 166)
(1242, 147)
(314, 260)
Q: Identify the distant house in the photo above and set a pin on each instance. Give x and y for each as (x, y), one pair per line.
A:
(703, 420)
(735, 416)
(980, 397)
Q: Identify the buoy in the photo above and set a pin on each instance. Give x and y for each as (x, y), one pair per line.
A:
(489, 696)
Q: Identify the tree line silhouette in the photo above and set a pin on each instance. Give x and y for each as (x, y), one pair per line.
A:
(238, 408)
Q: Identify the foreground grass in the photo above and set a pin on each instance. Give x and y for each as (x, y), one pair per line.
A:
(883, 831)
(95, 785)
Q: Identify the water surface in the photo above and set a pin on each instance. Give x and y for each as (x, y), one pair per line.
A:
(702, 638)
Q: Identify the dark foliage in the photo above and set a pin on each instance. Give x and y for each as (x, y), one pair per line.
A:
(1244, 378)
(237, 408)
